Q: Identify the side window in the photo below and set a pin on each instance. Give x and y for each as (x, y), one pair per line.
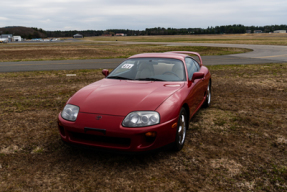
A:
(197, 65)
(191, 67)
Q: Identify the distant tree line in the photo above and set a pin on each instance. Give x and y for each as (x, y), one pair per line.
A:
(24, 32)
(225, 29)
(38, 33)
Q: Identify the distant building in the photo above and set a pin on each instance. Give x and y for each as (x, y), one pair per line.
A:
(121, 34)
(248, 31)
(279, 31)
(257, 31)
(7, 36)
(17, 38)
(78, 36)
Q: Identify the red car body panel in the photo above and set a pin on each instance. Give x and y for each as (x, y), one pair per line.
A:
(107, 96)
(105, 103)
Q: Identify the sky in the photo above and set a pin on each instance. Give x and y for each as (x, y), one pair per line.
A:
(140, 14)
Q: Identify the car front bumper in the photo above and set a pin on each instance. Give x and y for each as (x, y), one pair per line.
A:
(106, 132)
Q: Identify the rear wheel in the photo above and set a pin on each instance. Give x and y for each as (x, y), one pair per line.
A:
(181, 130)
(208, 96)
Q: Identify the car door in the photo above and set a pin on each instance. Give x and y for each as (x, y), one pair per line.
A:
(201, 84)
(194, 94)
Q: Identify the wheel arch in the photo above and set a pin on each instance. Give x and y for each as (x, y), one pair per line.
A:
(186, 107)
(209, 82)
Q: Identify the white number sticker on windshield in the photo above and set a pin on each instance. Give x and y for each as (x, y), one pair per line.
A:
(127, 66)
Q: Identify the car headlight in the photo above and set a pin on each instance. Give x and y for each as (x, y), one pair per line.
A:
(70, 112)
(141, 119)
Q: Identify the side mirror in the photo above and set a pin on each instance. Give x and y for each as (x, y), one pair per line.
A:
(105, 72)
(196, 75)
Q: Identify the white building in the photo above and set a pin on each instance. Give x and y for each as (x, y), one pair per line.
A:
(280, 31)
(17, 38)
(78, 36)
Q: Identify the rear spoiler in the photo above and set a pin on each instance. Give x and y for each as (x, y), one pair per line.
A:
(188, 52)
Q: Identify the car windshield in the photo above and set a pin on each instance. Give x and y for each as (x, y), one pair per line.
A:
(150, 69)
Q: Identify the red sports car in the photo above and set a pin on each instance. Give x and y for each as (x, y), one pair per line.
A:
(143, 104)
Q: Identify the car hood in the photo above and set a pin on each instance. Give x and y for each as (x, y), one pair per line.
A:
(120, 97)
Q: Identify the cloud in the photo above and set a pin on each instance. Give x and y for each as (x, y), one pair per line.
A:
(138, 14)
(4, 18)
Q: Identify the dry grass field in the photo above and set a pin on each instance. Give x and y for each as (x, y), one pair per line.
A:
(93, 50)
(261, 39)
(238, 144)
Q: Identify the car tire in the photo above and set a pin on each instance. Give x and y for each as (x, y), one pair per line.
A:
(208, 96)
(181, 130)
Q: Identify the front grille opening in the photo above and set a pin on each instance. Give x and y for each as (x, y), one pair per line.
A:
(100, 140)
(150, 139)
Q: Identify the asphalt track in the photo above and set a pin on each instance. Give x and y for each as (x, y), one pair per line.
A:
(261, 54)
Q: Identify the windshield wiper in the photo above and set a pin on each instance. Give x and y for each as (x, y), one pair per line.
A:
(150, 79)
(119, 77)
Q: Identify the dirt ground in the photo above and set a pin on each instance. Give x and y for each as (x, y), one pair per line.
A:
(238, 144)
(93, 50)
(248, 38)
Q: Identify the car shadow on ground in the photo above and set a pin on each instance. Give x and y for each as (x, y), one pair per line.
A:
(102, 157)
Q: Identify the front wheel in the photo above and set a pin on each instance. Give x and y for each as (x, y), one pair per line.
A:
(181, 130)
